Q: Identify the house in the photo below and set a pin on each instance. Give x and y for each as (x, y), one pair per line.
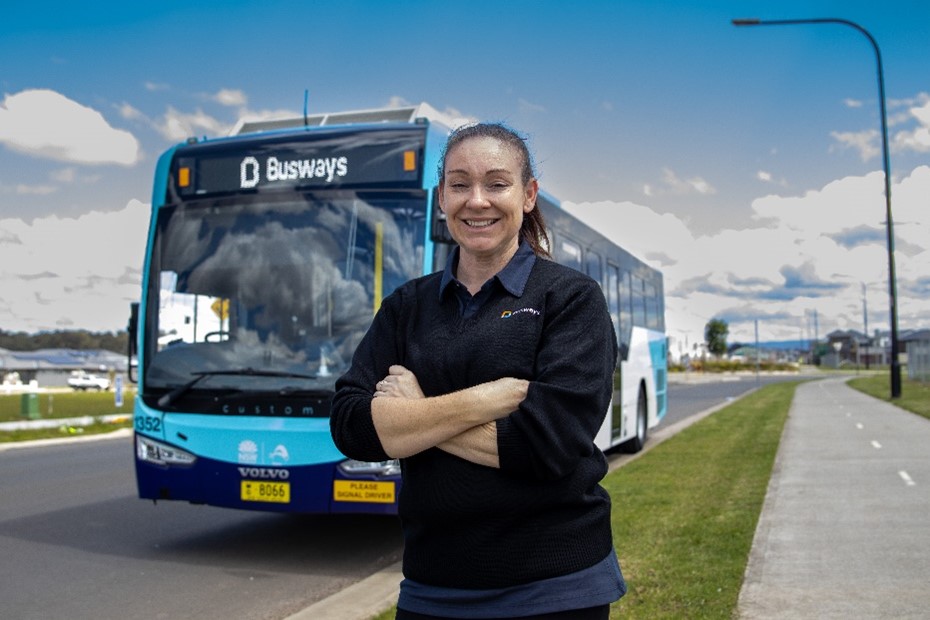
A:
(918, 355)
(53, 367)
(852, 348)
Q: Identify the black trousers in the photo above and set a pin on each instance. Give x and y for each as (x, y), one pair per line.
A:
(601, 612)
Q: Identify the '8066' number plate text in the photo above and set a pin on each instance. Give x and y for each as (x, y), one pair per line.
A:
(257, 491)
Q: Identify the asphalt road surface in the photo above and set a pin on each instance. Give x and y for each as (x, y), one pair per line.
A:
(76, 542)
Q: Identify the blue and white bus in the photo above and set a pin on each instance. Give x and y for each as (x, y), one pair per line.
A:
(268, 254)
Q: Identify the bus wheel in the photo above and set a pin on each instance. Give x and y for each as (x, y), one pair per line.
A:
(636, 443)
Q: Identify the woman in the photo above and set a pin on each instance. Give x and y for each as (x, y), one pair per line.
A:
(489, 381)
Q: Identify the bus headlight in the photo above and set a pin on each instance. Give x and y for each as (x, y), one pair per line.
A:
(159, 453)
(352, 467)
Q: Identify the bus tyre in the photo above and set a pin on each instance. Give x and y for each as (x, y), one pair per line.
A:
(636, 443)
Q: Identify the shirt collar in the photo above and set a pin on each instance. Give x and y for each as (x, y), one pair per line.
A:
(513, 277)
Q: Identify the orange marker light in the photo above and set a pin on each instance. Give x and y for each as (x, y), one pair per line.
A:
(410, 161)
(184, 177)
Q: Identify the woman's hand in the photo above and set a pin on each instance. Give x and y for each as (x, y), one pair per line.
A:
(399, 383)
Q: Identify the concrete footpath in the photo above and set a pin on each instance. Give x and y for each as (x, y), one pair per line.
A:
(845, 528)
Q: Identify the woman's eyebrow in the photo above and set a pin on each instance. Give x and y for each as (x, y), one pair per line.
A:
(486, 172)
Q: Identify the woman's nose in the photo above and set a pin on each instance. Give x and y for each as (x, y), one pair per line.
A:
(477, 198)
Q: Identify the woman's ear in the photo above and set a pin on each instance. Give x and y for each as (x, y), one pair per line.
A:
(532, 191)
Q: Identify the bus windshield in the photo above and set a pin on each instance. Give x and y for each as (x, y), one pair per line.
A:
(284, 284)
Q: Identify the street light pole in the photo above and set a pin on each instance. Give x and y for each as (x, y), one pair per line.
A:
(889, 225)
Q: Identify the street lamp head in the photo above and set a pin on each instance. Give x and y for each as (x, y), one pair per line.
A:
(747, 21)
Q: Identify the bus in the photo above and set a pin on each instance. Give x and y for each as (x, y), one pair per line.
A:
(269, 252)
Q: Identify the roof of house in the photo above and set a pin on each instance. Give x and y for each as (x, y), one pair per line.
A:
(61, 359)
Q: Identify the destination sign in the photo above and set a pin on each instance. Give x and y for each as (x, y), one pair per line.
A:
(358, 159)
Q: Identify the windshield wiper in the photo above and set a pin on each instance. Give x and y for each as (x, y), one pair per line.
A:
(173, 395)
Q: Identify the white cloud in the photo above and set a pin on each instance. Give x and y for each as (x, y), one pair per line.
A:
(764, 176)
(65, 175)
(230, 97)
(44, 123)
(852, 103)
(911, 115)
(35, 190)
(176, 126)
(917, 139)
(129, 112)
(866, 142)
(528, 106)
(809, 252)
(58, 273)
(450, 117)
(922, 113)
(672, 184)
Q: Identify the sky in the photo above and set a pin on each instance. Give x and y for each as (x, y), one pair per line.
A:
(744, 162)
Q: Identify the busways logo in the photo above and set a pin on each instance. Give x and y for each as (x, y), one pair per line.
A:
(275, 170)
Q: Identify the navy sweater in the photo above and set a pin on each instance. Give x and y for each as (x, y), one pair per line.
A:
(543, 513)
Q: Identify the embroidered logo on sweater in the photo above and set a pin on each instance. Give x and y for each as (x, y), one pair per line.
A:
(506, 314)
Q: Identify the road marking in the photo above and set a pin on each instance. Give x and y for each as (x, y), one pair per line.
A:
(907, 479)
(876, 445)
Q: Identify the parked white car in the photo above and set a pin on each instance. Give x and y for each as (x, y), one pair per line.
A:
(80, 380)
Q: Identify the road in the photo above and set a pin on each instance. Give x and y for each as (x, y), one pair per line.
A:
(76, 542)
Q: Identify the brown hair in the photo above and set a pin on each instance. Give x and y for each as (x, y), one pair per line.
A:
(533, 230)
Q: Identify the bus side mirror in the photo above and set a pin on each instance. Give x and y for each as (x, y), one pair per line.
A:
(439, 232)
(132, 346)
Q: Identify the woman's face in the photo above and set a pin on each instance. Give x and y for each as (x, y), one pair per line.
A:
(484, 198)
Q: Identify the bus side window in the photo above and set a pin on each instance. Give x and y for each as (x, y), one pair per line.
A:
(626, 314)
(639, 302)
(439, 231)
(652, 306)
(613, 299)
(568, 252)
(593, 267)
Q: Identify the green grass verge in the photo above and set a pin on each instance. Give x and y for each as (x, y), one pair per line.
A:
(65, 404)
(685, 513)
(915, 396)
(63, 431)
(58, 405)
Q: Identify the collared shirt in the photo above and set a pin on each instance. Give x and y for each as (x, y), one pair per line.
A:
(512, 277)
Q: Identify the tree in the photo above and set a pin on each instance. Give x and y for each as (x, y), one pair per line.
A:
(715, 335)
(75, 339)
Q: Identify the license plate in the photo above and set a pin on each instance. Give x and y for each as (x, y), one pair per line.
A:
(363, 491)
(275, 492)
